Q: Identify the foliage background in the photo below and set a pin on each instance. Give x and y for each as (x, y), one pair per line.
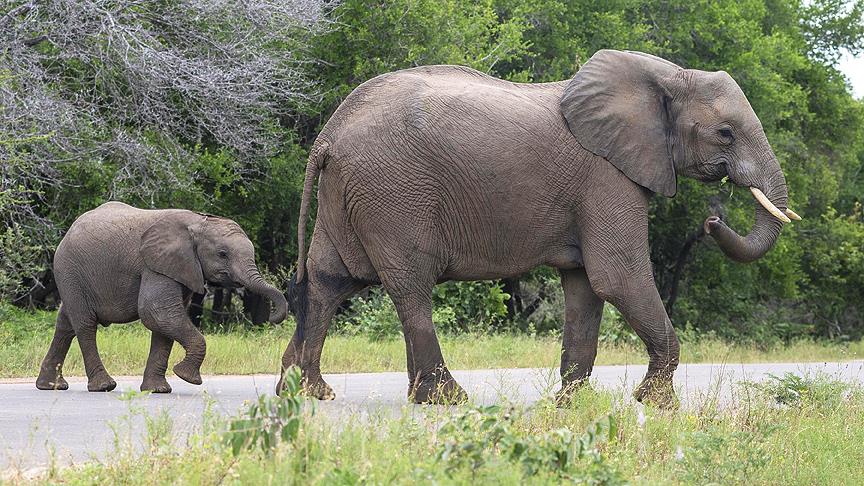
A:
(783, 53)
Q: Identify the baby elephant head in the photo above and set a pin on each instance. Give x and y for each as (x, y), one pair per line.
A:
(193, 248)
(651, 118)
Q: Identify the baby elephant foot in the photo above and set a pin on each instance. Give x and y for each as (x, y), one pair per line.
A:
(101, 383)
(188, 372)
(437, 388)
(156, 385)
(51, 380)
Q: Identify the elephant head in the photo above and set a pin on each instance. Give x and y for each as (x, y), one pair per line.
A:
(192, 248)
(652, 118)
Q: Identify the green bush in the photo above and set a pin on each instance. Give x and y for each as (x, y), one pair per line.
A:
(373, 316)
(457, 307)
(474, 306)
(480, 436)
(270, 420)
(20, 258)
(810, 390)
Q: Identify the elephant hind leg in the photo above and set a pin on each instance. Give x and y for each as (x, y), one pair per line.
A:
(326, 285)
(98, 378)
(583, 311)
(429, 380)
(51, 371)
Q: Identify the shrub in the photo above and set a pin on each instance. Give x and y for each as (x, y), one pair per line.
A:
(20, 259)
(457, 307)
(476, 306)
(270, 420)
(815, 390)
(482, 435)
(373, 316)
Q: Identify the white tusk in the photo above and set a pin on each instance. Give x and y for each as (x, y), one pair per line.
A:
(793, 215)
(768, 205)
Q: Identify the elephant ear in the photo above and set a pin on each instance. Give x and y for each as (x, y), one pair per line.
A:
(617, 107)
(168, 248)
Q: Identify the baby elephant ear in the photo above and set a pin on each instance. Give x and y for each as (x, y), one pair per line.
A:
(617, 107)
(168, 248)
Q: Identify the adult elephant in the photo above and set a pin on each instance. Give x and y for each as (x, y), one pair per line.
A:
(444, 173)
(118, 263)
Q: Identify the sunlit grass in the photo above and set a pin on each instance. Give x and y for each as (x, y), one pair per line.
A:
(814, 439)
(25, 338)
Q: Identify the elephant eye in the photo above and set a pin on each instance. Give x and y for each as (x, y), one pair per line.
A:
(223, 253)
(726, 134)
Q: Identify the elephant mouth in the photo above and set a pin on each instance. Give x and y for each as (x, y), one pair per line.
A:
(223, 280)
(223, 285)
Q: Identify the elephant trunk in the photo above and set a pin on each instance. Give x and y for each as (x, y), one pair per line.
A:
(771, 212)
(255, 283)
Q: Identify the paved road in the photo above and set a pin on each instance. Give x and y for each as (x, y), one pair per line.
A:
(77, 425)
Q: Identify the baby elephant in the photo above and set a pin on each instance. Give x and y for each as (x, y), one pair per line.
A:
(118, 263)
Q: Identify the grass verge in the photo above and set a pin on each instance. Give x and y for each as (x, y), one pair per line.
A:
(25, 338)
(770, 436)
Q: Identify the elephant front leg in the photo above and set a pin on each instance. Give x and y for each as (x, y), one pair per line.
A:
(618, 265)
(582, 315)
(640, 304)
(162, 310)
(429, 379)
(157, 364)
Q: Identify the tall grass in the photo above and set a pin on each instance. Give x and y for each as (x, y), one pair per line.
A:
(24, 338)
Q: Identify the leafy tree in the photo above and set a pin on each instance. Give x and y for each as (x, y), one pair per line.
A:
(212, 106)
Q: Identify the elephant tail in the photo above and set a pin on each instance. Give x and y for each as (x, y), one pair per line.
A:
(313, 167)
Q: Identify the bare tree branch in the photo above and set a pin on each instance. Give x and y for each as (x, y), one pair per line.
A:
(143, 88)
(19, 10)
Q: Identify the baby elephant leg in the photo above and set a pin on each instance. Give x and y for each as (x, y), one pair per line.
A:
(98, 378)
(157, 364)
(162, 310)
(51, 371)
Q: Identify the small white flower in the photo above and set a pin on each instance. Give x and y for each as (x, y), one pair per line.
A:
(679, 453)
(640, 417)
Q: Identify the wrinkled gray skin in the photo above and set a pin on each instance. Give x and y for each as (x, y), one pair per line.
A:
(118, 263)
(443, 173)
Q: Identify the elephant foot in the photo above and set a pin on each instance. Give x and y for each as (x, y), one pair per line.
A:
(657, 391)
(52, 380)
(101, 383)
(564, 396)
(188, 372)
(319, 389)
(156, 385)
(311, 385)
(439, 388)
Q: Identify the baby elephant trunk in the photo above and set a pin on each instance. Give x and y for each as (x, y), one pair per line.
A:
(256, 284)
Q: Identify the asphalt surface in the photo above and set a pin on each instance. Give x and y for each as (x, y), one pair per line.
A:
(38, 427)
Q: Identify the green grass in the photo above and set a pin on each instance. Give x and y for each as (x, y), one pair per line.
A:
(25, 338)
(812, 439)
